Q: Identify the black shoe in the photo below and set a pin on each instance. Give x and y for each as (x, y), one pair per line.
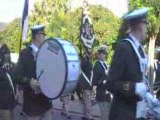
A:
(68, 116)
(84, 118)
(72, 97)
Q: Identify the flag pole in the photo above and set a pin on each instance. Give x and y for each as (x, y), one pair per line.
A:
(86, 36)
(24, 24)
(80, 45)
(80, 42)
(20, 43)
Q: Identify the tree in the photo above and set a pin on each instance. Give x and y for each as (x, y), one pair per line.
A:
(153, 28)
(61, 22)
(106, 25)
(44, 10)
(11, 35)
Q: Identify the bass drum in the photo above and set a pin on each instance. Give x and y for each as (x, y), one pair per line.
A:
(57, 67)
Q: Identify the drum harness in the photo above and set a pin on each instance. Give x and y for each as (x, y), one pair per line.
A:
(87, 79)
(91, 78)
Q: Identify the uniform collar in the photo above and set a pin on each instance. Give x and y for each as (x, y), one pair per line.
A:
(101, 61)
(34, 48)
(136, 42)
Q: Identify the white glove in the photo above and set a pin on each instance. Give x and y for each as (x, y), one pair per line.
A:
(94, 90)
(104, 81)
(141, 89)
(106, 72)
(35, 85)
(7, 66)
(151, 100)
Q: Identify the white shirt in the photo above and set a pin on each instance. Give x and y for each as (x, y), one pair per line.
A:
(34, 48)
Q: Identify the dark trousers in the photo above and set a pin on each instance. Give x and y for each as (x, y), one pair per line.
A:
(141, 119)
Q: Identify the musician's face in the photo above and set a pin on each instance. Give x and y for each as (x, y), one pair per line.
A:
(102, 56)
(142, 30)
(40, 37)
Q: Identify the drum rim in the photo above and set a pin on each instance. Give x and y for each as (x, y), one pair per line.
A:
(66, 67)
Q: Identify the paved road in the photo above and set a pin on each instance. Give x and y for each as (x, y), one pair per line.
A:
(75, 110)
(56, 115)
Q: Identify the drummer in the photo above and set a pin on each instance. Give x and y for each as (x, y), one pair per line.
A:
(35, 105)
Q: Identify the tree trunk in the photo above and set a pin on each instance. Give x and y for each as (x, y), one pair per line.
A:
(151, 50)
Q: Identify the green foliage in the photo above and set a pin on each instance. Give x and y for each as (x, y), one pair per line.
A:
(11, 35)
(44, 10)
(66, 25)
(106, 27)
(153, 15)
(60, 21)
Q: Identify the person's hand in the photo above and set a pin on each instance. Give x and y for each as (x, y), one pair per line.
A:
(104, 82)
(106, 72)
(33, 83)
(141, 89)
(35, 86)
(7, 66)
(151, 100)
(94, 91)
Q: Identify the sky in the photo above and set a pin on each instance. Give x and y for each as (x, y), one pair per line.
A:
(118, 7)
(11, 9)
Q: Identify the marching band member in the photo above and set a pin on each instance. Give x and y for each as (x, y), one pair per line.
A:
(126, 79)
(100, 74)
(86, 84)
(36, 106)
(7, 91)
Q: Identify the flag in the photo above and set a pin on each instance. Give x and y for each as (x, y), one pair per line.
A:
(87, 35)
(24, 23)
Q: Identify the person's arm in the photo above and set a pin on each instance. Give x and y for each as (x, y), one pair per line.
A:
(20, 76)
(116, 83)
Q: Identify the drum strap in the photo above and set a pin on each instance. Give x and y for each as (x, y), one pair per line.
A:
(11, 83)
(34, 50)
(105, 69)
(87, 79)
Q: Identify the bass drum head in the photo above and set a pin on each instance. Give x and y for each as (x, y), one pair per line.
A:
(51, 68)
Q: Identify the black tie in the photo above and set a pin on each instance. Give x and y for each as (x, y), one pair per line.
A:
(141, 52)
